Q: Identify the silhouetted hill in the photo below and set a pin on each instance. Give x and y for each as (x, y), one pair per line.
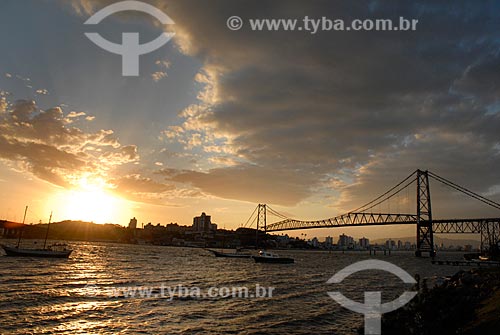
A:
(77, 230)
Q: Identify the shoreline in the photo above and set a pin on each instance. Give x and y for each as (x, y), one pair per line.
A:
(466, 303)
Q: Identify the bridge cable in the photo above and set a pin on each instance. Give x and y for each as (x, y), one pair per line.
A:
(465, 191)
(374, 202)
(274, 212)
(389, 197)
(371, 204)
(246, 223)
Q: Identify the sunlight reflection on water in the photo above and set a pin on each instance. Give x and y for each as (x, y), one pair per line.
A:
(52, 296)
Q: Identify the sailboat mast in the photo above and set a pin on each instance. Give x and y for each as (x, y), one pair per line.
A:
(22, 228)
(47, 233)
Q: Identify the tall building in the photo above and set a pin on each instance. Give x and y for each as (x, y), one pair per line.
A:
(328, 241)
(133, 223)
(203, 223)
(345, 241)
(364, 243)
(390, 244)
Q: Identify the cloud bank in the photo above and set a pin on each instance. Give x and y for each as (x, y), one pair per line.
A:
(283, 114)
(45, 143)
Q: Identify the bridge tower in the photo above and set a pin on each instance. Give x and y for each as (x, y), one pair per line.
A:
(261, 218)
(425, 238)
(490, 237)
(261, 222)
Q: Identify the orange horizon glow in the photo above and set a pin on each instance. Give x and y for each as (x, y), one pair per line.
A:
(90, 200)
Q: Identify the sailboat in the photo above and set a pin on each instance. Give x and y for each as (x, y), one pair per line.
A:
(57, 250)
(238, 254)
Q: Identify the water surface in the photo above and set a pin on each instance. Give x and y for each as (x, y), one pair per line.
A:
(51, 296)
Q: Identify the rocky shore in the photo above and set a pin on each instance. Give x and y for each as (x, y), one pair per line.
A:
(467, 303)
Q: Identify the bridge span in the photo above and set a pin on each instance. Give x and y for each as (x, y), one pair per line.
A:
(426, 226)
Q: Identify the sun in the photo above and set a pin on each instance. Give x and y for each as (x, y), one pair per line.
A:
(91, 200)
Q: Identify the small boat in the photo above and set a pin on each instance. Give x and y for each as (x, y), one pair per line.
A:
(50, 252)
(237, 254)
(472, 256)
(477, 257)
(268, 257)
(57, 250)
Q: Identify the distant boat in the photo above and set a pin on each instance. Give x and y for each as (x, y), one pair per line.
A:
(237, 254)
(58, 250)
(268, 257)
(49, 252)
(472, 256)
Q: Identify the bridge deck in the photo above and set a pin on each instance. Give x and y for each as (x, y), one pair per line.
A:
(464, 226)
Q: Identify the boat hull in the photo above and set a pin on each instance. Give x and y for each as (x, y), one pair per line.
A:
(17, 252)
(471, 256)
(276, 260)
(229, 255)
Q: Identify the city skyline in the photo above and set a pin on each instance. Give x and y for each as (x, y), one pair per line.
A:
(315, 126)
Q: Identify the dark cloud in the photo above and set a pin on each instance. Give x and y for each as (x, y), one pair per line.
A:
(248, 183)
(301, 108)
(481, 79)
(44, 161)
(318, 105)
(136, 183)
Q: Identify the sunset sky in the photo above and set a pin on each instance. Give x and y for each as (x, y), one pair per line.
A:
(219, 120)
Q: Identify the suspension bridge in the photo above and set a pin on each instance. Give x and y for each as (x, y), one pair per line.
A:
(426, 226)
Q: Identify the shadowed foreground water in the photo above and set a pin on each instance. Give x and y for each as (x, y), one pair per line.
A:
(45, 296)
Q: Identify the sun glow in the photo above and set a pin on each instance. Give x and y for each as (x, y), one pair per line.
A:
(91, 200)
